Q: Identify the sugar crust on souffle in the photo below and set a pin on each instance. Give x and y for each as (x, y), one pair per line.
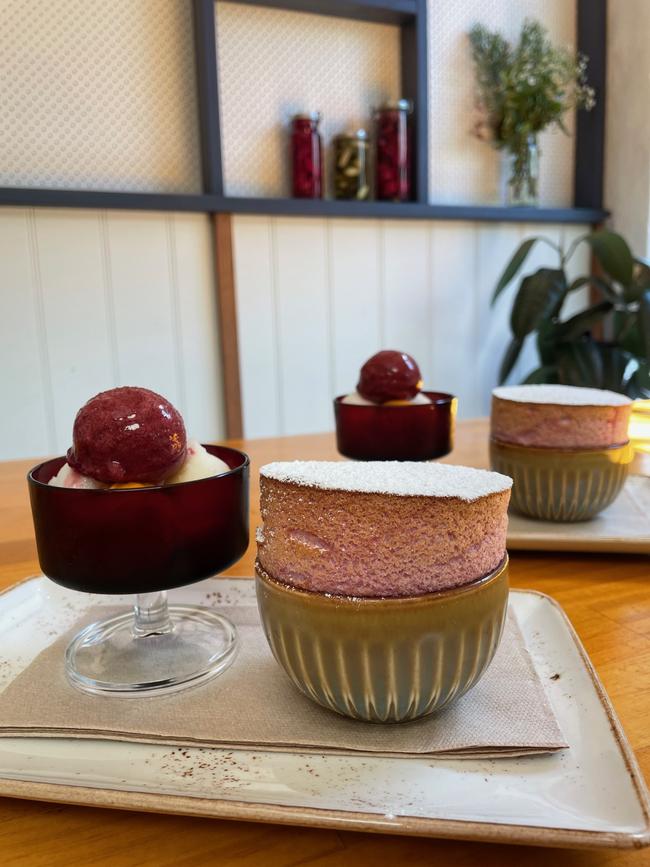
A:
(559, 416)
(380, 528)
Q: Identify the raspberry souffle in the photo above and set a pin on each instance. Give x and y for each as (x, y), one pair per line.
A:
(381, 528)
(560, 416)
(382, 586)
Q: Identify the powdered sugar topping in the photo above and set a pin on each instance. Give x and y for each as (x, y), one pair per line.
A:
(403, 478)
(567, 395)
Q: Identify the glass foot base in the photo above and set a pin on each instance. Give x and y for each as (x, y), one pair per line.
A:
(119, 657)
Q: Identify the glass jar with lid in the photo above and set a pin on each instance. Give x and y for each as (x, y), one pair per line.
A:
(351, 175)
(393, 159)
(306, 156)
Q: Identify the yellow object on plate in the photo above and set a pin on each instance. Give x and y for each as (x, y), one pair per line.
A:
(639, 429)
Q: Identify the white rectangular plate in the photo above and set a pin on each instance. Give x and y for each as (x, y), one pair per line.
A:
(624, 527)
(590, 795)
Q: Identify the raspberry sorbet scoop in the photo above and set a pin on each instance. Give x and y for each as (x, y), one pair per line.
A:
(389, 375)
(128, 435)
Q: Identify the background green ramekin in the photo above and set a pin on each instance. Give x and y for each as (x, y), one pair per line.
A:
(562, 484)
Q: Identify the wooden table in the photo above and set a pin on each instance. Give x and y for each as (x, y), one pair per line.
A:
(606, 596)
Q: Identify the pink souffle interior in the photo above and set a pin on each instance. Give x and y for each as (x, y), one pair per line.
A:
(559, 416)
(380, 528)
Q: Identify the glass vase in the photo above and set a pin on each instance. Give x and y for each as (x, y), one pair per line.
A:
(520, 175)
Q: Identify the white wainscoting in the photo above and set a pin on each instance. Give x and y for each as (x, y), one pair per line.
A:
(317, 297)
(91, 300)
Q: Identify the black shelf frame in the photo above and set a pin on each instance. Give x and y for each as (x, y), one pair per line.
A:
(54, 198)
(411, 16)
(589, 162)
(407, 211)
(215, 204)
(377, 11)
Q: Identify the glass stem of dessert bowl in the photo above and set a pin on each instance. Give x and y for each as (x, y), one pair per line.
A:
(156, 648)
(151, 613)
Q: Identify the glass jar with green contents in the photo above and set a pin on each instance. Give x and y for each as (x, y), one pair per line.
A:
(351, 175)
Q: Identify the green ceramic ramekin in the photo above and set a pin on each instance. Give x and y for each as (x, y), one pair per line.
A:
(389, 659)
(562, 484)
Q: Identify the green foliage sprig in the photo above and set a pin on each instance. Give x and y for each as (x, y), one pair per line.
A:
(569, 352)
(522, 89)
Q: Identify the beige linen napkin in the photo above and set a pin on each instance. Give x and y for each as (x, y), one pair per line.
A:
(253, 704)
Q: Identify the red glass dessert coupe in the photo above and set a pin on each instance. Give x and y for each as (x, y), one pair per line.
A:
(144, 541)
(390, 417)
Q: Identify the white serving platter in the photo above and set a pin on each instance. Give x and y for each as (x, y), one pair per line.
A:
(624, 527)
(591, 795)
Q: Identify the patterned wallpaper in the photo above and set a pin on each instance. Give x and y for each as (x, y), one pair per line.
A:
(98, 95)
(274, 63)
(102, 95)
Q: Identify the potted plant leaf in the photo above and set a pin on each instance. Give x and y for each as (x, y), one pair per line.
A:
(606, 345)
(521, 90)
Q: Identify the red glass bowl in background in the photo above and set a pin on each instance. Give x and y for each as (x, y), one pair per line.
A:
(418, 432)
(144, 541)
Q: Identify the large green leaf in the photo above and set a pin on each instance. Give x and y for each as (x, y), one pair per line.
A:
(580, 364)
(509, 359)
(577, 325)
(537, 296)
(545, 373)
(547, 341)
(513, 266)
(613, 253)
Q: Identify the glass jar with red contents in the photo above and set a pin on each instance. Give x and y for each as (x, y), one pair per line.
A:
(393, 161)
(306, 156)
